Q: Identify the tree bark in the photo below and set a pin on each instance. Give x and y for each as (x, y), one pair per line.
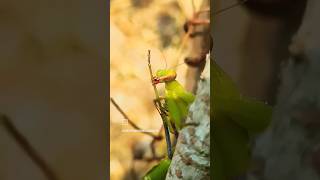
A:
(191, 159)
(290, 148)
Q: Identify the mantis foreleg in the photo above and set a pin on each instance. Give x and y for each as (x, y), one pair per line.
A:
(164, 118)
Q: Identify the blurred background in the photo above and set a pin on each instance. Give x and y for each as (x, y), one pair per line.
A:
(53, 81)
(135, 27)
(250, 42)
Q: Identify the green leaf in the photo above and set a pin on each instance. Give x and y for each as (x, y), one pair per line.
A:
(235, 119)
(159, 171)
(252, 115)
(232, 141)
(221, 84)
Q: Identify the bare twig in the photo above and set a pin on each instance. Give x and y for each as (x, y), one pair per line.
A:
(195, 22)
(155, 138)
(27, 147)
(155, 158)
(131, 122)
(151, 75)
(229, 7)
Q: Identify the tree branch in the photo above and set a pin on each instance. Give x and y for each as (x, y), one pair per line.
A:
(132, 123)
(27, 147)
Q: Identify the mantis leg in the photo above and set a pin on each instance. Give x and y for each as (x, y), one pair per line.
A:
(164, 117)
(168, 140)
(176, 135)
(191, 124)
(157, 103)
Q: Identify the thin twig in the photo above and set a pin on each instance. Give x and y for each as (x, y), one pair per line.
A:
(155, 138)
(229, 7)
(152, 144)
(151, 75)
(131, 122)
(196, 22)
(156, 158)
(27, 147)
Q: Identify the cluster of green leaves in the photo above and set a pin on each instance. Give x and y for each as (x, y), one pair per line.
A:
(159, 171)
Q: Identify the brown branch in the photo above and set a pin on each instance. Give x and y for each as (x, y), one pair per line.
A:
(27, 147)
(152, 145)
(195, 22)
(155, 137)
(151, 76)
(189, 27)
(155, 158)
(131, 122)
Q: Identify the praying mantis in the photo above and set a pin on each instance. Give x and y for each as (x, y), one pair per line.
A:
(177, 100)
(173, 109)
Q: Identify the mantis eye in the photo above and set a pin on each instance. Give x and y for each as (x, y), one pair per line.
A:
(155, 80)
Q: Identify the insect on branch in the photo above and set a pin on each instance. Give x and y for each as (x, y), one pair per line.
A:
(159, 107)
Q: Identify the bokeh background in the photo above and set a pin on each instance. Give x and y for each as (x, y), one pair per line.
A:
(250, 42)
(135, 27)
(53, 64)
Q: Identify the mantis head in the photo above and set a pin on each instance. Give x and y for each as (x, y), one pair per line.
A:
(164, 75)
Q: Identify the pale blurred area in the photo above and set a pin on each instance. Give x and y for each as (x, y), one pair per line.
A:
(250, 45)
(53, 87)
(135, 27)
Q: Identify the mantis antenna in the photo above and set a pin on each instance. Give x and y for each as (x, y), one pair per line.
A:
(164, 57)
(175, 67)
